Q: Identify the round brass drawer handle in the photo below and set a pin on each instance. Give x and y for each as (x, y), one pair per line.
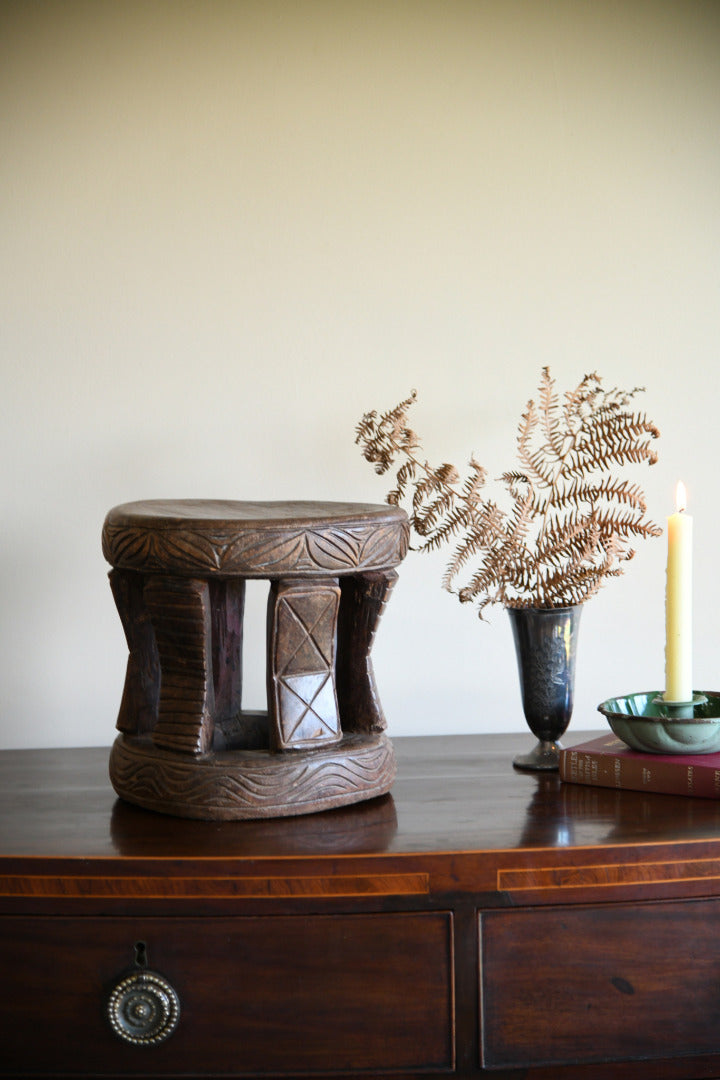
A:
(143, 1009)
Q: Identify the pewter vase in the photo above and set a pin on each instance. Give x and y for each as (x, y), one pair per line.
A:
(545, 646)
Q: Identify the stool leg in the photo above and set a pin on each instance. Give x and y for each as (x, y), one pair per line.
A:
(138, 708)
(180, 613)
(227, 604)
(302, 626)
(363, 600)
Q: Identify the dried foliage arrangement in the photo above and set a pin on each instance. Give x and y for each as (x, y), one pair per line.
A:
(572, 519)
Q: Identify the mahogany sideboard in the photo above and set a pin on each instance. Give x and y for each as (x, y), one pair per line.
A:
(476, 921)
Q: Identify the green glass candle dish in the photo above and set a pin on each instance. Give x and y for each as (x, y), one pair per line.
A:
(649, 723)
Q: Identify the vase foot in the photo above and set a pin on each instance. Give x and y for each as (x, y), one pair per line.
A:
(544, 757)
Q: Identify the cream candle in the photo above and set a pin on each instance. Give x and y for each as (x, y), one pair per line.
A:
(678, 603)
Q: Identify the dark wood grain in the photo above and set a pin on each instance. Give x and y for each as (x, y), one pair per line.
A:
(286, 995)
(476, 921)
(636, 982)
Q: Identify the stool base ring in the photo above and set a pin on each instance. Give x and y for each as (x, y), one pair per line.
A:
(232, 785)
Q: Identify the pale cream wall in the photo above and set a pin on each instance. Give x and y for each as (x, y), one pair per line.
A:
(228, 229)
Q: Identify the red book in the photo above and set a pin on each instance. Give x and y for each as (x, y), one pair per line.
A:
(608, 762)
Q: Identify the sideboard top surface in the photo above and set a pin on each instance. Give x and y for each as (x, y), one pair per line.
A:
(457, 793)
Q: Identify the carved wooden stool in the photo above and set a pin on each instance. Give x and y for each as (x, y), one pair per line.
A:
(186, 747)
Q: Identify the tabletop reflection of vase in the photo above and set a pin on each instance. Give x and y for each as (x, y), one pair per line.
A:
(545, 646)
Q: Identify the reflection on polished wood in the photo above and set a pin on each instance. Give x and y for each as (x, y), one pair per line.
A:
(452, 793)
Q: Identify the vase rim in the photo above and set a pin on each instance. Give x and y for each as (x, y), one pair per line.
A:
(543, 610)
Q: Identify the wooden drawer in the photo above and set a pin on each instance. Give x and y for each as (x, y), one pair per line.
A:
(611, 983)
(276, 994)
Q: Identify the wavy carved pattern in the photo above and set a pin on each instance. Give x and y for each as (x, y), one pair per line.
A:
(237, 784)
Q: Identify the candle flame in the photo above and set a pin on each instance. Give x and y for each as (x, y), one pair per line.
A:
(680, 497)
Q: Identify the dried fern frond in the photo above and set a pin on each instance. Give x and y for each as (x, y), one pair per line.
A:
(571, 519)
(384, 437)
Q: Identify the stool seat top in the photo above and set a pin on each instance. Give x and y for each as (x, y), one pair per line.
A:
(254, 539)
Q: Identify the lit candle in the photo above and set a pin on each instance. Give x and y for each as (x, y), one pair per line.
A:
(678, 603)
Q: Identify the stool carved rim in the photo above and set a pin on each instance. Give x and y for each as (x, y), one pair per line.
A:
(237, 784)
(254, 539)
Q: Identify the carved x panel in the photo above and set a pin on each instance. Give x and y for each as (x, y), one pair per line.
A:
(301, 668)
